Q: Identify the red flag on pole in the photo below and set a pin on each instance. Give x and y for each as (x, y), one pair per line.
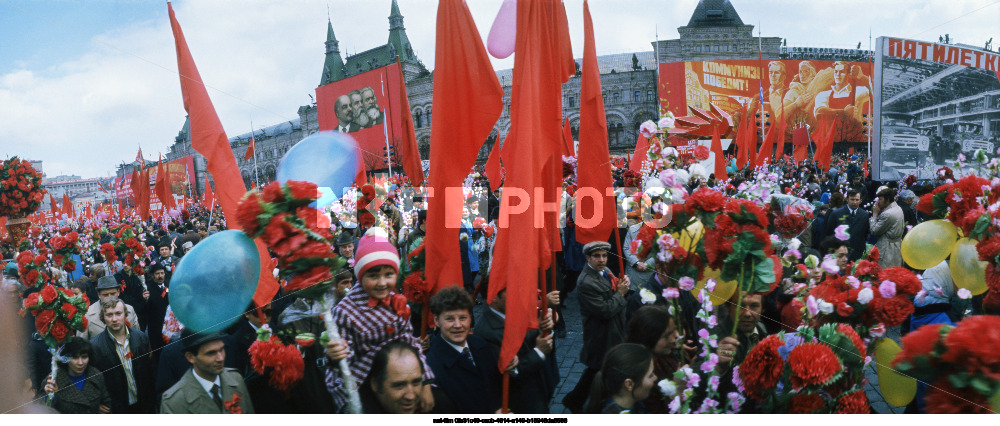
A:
(639, 155)
(67, 206)
(409, 152)
(136, 185)
(52, 201)
(541, 64)
(568, 148)
(800, 139)
(250, 151)
(139, 159)
(493, 170)
(780, 152)
(596, 214)
(469, 101)
(87, 212)
(720, 159)
(142, 199)
(209, 139)
(824, 143)
(741, 137)
(208, 197)
(163, 187)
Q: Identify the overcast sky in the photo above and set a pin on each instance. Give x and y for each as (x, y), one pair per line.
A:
(84, 84)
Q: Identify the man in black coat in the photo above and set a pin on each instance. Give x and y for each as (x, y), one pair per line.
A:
(464, 365)
(158, 282)
(537, 371)
(856, 219)
(122, 354)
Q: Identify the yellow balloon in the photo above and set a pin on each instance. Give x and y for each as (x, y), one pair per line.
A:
(689, 238)
(897, 389)
(966, 269)
(929, 243)
(723, 289)
(995, 401)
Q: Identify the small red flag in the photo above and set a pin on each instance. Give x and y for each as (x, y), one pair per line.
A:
(67, 206)
(250, 150)
(139, 159)
(493, 169)
(568, 148)
(639, 155)
(208, 197)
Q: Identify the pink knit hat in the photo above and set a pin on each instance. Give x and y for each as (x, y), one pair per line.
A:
(374, 250)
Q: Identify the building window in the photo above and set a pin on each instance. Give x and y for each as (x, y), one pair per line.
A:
(419, 120)
(636, 96)
(697, 49)
(734, 48)
(716, 48)
(616, 97)
(572, 102)
(649, 96)
(605, 98)
(726, 47)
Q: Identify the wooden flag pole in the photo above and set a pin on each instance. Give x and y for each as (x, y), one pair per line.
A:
(621, 257)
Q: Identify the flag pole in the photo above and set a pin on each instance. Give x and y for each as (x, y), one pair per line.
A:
(385, 128)
(256, 180)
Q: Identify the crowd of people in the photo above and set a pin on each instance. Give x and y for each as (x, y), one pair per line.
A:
(135, 357)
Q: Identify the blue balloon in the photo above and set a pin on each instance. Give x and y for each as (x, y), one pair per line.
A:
(328, 159)
(215, 281)
(327, 198)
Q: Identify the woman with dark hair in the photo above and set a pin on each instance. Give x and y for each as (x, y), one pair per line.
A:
(625, 380)
(654, 328)
(78, 387)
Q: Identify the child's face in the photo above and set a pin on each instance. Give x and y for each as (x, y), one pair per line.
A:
(379, 281)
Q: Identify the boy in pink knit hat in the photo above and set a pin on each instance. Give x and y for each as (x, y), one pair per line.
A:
(370, 316)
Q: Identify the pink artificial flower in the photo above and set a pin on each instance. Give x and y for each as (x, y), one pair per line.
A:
(841, 233)
(887, 289)
(686, 283)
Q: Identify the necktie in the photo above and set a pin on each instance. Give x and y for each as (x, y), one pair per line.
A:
(468, 355)
(216, 397)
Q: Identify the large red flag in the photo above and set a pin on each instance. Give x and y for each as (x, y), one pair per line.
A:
(67, 206)
(800, 143)
(208, 197)
(409, 153)
(568, 148)
(824, 143)
(494, 172)
(142, 197)
(469, 101)
(163, 187)
(541, 64)
(209, 139)
(741, 137)
(596, 214)
(639, 155)
(750, 141)
(720, 160)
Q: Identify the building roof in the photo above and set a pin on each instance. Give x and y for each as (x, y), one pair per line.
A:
(715, 13)
(616, 62)
(283, 128)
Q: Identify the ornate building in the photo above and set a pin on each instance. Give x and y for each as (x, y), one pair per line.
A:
(629, 81)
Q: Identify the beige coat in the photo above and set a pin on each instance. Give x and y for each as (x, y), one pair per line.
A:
(889, 227)
(188, 397)
(95, 325)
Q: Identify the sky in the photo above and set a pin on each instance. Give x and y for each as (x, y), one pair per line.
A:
(84, 84)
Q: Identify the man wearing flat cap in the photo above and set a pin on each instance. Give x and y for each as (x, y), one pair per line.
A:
(603, 306)
(345, 245)
(106, 288)
(208, 387)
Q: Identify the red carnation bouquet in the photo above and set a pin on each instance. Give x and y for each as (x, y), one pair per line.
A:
(740, 246)
(415, 288)
(807, 372)
(131, 249)
(63, 247)
(281, 363)
(57, 312)
(108, 252)
(32, 268)
(280, 215)
(960, 363)
(20, 188)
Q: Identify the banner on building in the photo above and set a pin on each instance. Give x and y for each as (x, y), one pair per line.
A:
(799, 92)
(363, 106)
(180, 173)
(933, 102)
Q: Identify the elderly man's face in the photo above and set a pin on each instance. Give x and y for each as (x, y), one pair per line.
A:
(356, 104)
(342, 108)
(368, 98)
(399, 393)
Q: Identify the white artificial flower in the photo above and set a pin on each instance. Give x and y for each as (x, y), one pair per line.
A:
(654, 192)
(794, 244)
(683, 176)
(647, 296)
(825, 307)
(865, 295)
(667, 387)
(698, 170)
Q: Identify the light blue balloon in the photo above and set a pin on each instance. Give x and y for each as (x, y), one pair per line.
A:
(328, 159)
(215, 281)
(327, 198)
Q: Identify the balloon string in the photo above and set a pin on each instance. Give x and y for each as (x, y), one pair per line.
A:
(354, 401)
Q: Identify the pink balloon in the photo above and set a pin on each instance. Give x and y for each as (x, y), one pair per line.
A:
(500, 42)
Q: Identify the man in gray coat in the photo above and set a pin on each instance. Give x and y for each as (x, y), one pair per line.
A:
(887, 223)
(603, 307)
(208, 387)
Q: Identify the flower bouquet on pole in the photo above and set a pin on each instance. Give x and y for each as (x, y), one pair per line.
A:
(58, 312)
(299, 235)
(130, 248)
(21, 194)
(63, 247)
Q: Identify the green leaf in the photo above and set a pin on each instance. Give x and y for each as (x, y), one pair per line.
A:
(982, 224)
(981, 385)
(764, 270)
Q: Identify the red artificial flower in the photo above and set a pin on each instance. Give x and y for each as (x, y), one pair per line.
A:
(398, 304)
(701, 152)
(746, 212)
(302, 190)
(993, 277)
(247, 214)
(233, 405)
(992, 300)
(893, 311)
(812, 364)
(705, 200)
(72, 238)
(762, 368)
(906, 281)
(49, 294)
(368, 191)
(943, 398)
(31, 278)
(308, 278)
(272, 193)
(288, 369)
(790, 225)
(366, 219)
(921, 342)
(70, 266)
(989, 248)
(311, 249)
(57, 242)
(39, 260)
(415, 288)
(807, 403)
(57, 259)
(69, 310)
(31, 302)
(973, 344)
(867, 268)
(59, 331)
(43, 320)
(853, 403)
(855, 338)
(281, 236)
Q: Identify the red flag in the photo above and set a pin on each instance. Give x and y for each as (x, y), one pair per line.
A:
(208, 197)
(639, 156)
(142, 197)
(824, 144)
(87, 212)
(163, 192)
(780, 152)
(67, 206)
(250, 151)
(595, 198)
(469, 101)
(139, 159)
(209, 139)
(800, 139)
(720, 160)
(749, 141)
(52, 201)
(409, 153)
(541, 65)
(741, 137)
(136, 186)
(775, 132)
(121, 208)
(568, 148)
(494, 172)
(850, 150)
